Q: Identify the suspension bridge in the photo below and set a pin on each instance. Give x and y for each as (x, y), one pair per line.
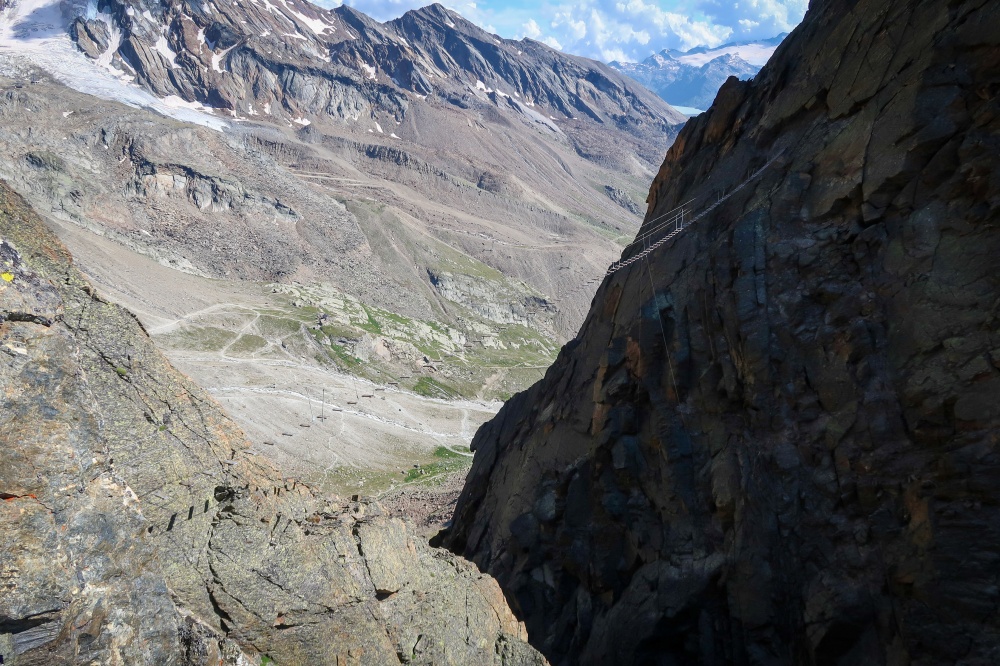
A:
(665, 227)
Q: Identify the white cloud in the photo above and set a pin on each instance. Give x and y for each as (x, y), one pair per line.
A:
(614, 29)
(626, 29)
(754, 19)
(568, 25)
(553, 42)
(531, 29)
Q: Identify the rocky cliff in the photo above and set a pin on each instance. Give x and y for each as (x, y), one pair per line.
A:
(137, 528)
(775, 438)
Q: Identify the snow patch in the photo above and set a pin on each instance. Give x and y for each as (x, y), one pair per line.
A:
(370, 70)
(302, 121)
(318, 26)
(115, 40)
(217, 59)
(482, 86)
(34, 31)
(163, 48)
(393, 135)
(755, 54)
(175, 102)
(379, 128)
(67, 114)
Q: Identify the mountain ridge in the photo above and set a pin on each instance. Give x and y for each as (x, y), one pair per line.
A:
(692, 78)
(343, 65)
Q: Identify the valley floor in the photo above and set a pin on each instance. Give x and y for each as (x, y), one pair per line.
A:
(296, 411)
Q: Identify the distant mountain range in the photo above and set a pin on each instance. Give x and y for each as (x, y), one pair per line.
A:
(293, 61)
(690, 79)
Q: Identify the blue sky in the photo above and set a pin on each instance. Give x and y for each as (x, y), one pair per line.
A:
(613, 29)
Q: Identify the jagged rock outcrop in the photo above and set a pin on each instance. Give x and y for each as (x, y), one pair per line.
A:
(621, 197)
(774, 439)
(137, 527)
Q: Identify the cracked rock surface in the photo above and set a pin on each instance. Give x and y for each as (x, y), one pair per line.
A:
(775, 438)
(136, 528)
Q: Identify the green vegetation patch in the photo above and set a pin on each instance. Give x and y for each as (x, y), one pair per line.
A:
(248, 344)
(445, 452)
(432, 388)
(371, 324)
(278, 326)
(201, 338)
(446, 461)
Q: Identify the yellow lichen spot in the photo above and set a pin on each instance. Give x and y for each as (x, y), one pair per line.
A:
(7, 277)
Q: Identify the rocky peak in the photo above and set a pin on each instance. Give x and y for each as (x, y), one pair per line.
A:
(438, 14)
(292, 61)
(774, 439)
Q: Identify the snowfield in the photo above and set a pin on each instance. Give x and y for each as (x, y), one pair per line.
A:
(34, 32)
(755, 54)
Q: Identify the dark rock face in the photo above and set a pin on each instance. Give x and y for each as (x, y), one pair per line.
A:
(775, 438)
(136, 527)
